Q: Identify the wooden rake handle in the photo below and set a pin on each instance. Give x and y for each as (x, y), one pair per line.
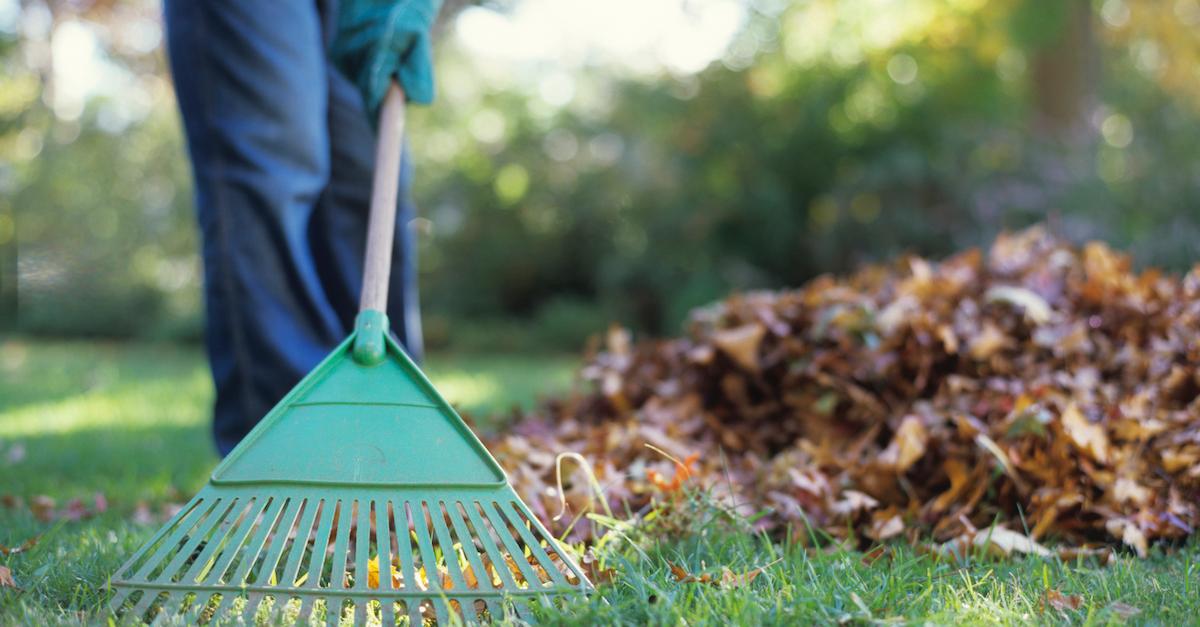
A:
(381, 225)
(370, 328)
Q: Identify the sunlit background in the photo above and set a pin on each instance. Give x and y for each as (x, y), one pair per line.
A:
(632, 159)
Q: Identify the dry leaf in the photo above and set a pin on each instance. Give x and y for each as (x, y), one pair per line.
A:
(1035, 307)
(1060, 364)
(1088, 437)
(1009, 542)
(591, 567)
(907, 446)
(1124, 610)
(42, 507)
(6, 578)
(1061, 602)
(741, 344)
(23, 547)
(883, 529)
(730, 580)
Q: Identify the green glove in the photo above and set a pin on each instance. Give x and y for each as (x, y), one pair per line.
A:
(378, 40)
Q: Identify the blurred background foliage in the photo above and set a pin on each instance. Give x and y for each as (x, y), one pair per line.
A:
(588, 162)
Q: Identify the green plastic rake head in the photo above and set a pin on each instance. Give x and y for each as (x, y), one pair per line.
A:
(361, 494)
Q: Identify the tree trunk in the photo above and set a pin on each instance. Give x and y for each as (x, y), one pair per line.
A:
(1065, 73)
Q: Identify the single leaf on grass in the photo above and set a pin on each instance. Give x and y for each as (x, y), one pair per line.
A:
(6, 578)
(1009, 542)
(875, 554)
(42, 507)
(729, 579)
(21, 548)
(596, 573)
(1123, 610)
(1061, 602)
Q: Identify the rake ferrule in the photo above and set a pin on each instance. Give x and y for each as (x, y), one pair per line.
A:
(369, 329)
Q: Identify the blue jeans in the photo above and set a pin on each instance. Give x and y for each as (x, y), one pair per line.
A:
(282, 157)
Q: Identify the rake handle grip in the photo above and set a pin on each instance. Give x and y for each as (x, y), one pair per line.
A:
(381, 225)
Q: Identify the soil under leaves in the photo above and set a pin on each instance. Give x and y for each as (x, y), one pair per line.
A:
(1034, 392)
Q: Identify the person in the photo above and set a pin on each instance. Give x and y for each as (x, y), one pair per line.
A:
(278, 101)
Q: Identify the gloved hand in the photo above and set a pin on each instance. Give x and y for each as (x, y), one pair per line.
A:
(378, 40)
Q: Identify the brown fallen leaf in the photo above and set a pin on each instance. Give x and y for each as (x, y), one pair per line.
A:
(730, 580)
(1061, 602)
(681, 575)
(6, 578)
(42, 507)
(1009, 542)
(907, 446)
(1088, 437)
(875, 554)
(741, 344)
(595, 573)
(1123, 610)
(1036, 384)
(21, 548)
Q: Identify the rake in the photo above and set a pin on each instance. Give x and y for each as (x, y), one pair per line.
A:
(361, 494)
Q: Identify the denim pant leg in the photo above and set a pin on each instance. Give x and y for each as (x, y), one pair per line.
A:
(251, 78)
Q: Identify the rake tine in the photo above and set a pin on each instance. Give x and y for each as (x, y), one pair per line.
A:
(292, 569)
(362, 552)
(535, 547)
(126, 569)
(448, 552)
(177, 530)
(468, 545)
(414, 612)
(320, 542)
(441, 610)
(404, 545)
(164, 609)
(255, 546)
(383, 546)
(495, 555)
(387, 612)
(223, 608)
(212, 516)
(519, 609)
(233, 547)
(304, 617)
(337, 574)
(510, 543)
(333, 612)
(252, 602)
(120, 598)
(360, 611)
(535, 527)
(143, 604)
(425, 546)
(280, 542)
(227, 521)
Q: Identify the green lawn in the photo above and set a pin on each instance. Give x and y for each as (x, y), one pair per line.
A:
(129, 422)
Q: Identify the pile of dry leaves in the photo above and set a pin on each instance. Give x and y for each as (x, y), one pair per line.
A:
(1038, 386)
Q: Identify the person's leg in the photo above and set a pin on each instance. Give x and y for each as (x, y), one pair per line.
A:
(338, 233)
(248, 74)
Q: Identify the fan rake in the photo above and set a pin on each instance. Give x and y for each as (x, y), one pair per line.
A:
(361, 495)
